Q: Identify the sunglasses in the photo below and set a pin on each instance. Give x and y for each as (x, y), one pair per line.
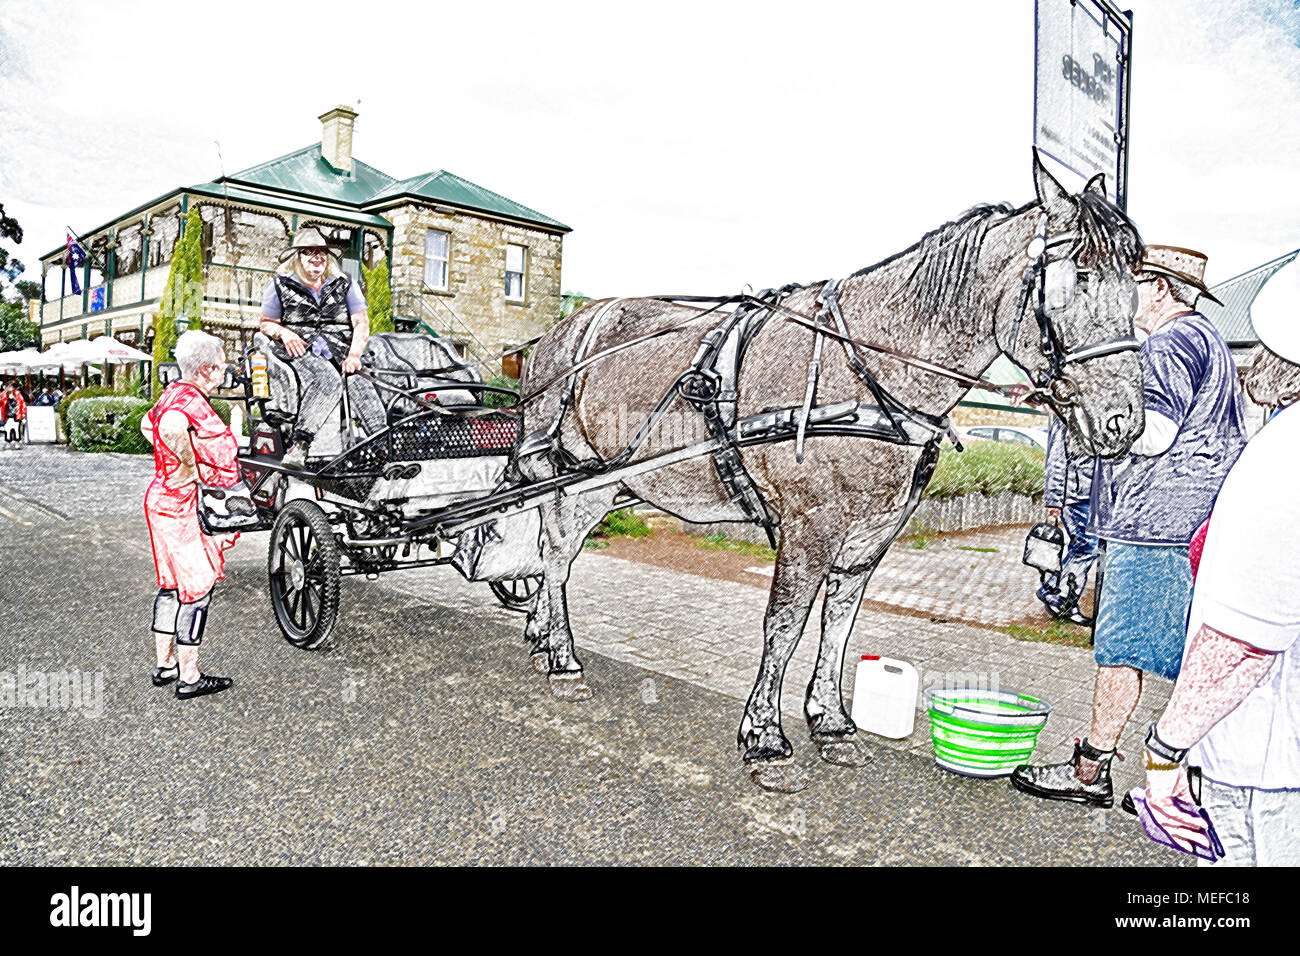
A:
(313, 253)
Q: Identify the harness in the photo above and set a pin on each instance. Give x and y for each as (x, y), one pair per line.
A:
(709, 385)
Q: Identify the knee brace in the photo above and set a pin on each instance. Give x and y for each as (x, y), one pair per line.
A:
(190, 621)
(165, 608)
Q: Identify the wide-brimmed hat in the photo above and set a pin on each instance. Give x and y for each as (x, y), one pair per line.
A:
(1185, 265)
(308, 238)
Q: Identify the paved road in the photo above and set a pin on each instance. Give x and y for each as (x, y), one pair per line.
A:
(423, 736)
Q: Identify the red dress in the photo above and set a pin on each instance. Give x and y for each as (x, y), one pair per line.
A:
(187, 560)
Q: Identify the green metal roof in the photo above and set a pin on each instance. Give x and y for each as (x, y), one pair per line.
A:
(219, 190)
(444, 187)
(305, 172)
(1237, 294)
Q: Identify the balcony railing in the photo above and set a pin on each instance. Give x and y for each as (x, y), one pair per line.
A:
(438, 317)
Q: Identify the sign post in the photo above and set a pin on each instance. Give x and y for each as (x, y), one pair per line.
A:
(1083, 55)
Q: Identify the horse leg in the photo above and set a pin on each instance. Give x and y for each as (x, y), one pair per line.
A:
(566, 523)
(830, 725)
(801, 566)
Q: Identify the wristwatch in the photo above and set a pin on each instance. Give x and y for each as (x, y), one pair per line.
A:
(1161, 749)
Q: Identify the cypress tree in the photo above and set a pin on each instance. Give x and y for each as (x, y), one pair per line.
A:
(182, 297)
(379, 298)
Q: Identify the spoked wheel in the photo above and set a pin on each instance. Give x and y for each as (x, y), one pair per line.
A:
(517, 594)
(303, 565)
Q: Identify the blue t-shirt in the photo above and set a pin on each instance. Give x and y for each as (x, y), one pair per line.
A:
(272, 309)
(1190, 378)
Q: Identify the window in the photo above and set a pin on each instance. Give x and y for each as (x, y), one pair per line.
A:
(515, 259)
(437, 245)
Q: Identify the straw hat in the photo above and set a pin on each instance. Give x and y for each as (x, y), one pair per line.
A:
(308, 238)
(1185, 265)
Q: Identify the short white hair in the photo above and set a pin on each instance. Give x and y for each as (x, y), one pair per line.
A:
(194, 349)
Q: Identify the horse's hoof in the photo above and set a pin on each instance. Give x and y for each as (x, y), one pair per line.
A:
(541, 662)
(778, 776)
(843, 752)
(569, 687)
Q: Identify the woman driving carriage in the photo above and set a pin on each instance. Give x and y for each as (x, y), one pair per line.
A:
(316, 317)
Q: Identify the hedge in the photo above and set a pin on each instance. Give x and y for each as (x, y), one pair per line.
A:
(100, 423)
(112, 422)
(988, 467)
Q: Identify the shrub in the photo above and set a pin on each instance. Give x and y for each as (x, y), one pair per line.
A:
(496, 399)
(98, 424)
(90, 391)
(622, 523)
(988, 468)
(130, 441)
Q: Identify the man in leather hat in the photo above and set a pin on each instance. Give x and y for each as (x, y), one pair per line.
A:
(1145, 508)
(317, 319)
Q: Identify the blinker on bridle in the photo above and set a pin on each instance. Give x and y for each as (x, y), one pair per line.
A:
(1056, 284)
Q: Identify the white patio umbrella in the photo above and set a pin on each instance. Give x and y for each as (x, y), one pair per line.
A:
(14, 363)
(109, 349)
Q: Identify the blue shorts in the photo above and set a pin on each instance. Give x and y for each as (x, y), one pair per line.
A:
(1144, 600)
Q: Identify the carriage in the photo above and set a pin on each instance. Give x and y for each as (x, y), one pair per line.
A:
(419, 493)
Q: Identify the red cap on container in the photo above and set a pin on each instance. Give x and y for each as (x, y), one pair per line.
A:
(871, 657)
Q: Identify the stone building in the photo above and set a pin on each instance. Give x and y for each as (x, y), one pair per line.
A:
(464, 262)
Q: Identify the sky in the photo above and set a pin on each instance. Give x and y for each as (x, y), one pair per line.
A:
(693, 147)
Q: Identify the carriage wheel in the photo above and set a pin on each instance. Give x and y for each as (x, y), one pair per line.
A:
(517, 594)
(303, 565)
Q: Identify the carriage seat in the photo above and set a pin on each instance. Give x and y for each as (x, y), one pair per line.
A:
(410, 361)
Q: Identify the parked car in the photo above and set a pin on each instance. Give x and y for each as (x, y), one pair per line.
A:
(1008, 433)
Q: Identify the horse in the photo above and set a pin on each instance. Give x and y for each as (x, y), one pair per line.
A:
(1051, 283)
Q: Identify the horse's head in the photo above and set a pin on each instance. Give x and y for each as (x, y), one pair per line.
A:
(1073, 328)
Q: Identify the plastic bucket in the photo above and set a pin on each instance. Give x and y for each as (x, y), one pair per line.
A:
(983, 733)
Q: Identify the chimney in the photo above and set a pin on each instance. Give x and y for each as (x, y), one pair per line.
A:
(336, 137)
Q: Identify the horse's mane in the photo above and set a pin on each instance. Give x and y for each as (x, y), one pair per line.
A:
(1105, 233)
(940, 283)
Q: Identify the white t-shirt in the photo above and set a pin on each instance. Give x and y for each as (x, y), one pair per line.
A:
(1248, 587)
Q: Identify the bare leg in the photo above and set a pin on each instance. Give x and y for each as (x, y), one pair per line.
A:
(189, 660)
(165, 648)
(1114, 698)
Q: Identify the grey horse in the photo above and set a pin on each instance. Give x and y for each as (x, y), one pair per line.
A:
(957, 298)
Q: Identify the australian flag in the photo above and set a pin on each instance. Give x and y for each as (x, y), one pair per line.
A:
(76, 258)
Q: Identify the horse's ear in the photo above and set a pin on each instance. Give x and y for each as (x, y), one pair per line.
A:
(1097, 185)
(1051, 194)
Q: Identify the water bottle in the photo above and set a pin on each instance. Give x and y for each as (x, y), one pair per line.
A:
(258, 373)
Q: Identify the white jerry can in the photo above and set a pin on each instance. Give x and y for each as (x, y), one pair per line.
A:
(884, 696)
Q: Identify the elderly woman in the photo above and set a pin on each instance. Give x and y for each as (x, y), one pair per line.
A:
(317, 319)
(191, 444)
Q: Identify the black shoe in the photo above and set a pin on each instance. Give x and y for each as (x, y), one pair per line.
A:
(1060, 781)
(1127, 804)
(162, 676)
(204, 685)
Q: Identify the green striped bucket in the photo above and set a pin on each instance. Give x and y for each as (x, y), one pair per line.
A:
(983, 733)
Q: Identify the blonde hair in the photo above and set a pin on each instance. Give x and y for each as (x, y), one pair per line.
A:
(293, 267)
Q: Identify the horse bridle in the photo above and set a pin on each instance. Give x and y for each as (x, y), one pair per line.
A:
(1056, 284)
